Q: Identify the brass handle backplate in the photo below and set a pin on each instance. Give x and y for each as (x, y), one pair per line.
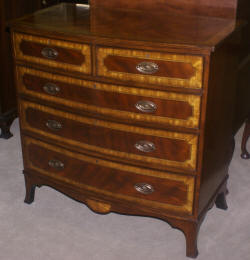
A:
(51, 88)
(146, 106)
(49, 53)
(144, 188)
(56, 164)
(145, 146)
(147, 67)
(53, 125)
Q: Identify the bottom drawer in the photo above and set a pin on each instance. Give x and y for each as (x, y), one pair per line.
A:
(142, 186)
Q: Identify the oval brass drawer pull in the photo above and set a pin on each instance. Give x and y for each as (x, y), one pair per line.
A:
(49, 53)
(145, 146)
(56, 164)
(144, 188)
(147, 67)
(51, 88)
(53, 125)
(146, 106)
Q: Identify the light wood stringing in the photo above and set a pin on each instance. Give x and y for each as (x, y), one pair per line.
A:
(98, 206)
(195, 61)
(192, 140)
(187, 180)
(193, 100)
(83, 48)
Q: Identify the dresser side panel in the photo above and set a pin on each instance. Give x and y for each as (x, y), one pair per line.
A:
(218, 136)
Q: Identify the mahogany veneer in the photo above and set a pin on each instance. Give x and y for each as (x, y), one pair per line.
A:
(117, 140)
(114, 101)
(130, 110)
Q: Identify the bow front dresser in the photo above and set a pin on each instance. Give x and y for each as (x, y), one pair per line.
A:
(128, 107)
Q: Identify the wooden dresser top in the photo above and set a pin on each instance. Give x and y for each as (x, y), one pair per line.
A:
(156, 27)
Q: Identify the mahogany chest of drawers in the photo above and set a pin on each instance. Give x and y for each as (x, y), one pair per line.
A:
(135, 121)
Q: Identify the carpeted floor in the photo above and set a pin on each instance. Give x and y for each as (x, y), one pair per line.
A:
(57, 227)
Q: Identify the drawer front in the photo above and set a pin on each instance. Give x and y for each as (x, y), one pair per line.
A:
(153, 189)
(133, 104)
(158, 149)
(53, 53)
(150, 67)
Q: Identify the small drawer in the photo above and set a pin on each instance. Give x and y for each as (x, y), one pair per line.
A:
(53, 53)
(120, 102)
(154, 148)
(108, 179)
(156, 68)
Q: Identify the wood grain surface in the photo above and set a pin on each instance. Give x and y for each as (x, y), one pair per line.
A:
(136, 27)
(172, 149)
(172, 191)
(28, 48)
(112, 100)
(224, 8)
(197, 48)
(186, 71)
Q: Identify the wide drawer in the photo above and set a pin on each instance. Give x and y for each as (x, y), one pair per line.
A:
(58, 54)
(155, 148)
(157, 68)
(140, 186)
(133, 104)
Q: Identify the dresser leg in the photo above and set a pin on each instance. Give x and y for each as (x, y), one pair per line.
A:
(30, 190)
(5, 123)
(221, 201)
(5, 129)
(191, 234)
(190, 230)
(246, 133)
